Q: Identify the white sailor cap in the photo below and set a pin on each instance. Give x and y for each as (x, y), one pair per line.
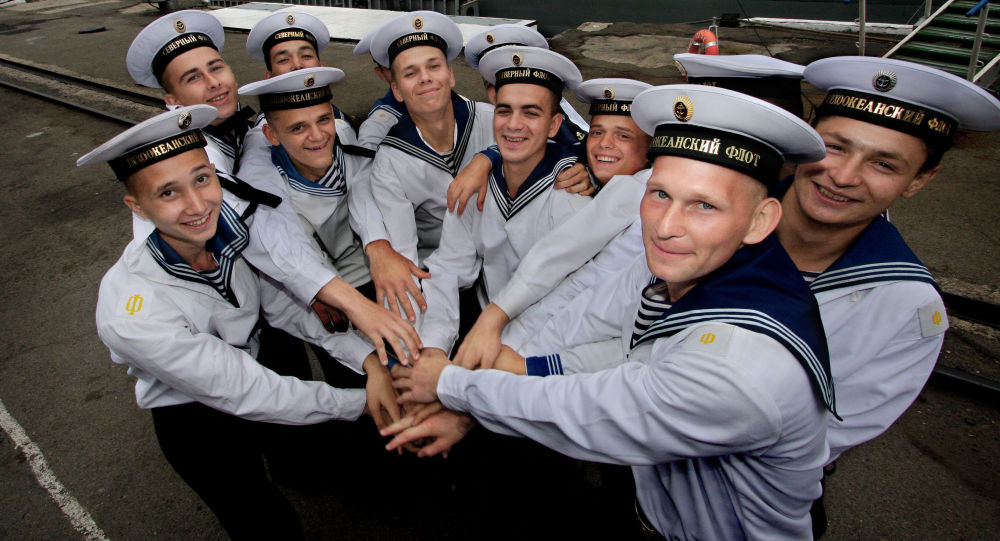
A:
(924, 102)
(153, 140)
(295, 89)
(610, 96)
(532, 65)
(726, 128)
(166, 38)
(502, 35)
(735, 65)
(286, 25)
(760, 76)
(415, 29)
(364, 45)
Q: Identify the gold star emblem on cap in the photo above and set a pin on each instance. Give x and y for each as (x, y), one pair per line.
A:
(884, 80)
(309, 81)
(418, 23)
(179, 26)
(290, 19)
(184, 120)
(609, 93)
(516, 59)
(490, 39)
(683, 108)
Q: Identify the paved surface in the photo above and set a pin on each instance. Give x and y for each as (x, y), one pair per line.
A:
(935, 474)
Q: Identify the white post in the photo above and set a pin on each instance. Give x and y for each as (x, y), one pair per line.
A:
(861, 30)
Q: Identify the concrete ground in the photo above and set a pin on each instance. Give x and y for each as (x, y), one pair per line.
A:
(934, 475)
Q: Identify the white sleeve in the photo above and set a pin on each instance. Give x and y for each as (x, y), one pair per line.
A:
(205, 368)
(572, 243)
(454, 265)
(878, 378)
(291, 315)
(397, 211)
(281, 248)
(374, 129)
(680, 405)
(366, 220)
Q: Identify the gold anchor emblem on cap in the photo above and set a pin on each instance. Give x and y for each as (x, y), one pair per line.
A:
(516, 59)
(683, 108)
(609, 93)
(179, 26)
(418, 23)
(884, 80)
(290, 19)
(310, 80)
(184, 120)
(490, 39)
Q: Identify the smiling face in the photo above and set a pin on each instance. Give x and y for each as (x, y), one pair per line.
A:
(695, 215)
(201, 76)
(181, 196)
(523, 121)
(288, 56)
(422, 79)
(615, 146)
(867, 167)
(307, 134)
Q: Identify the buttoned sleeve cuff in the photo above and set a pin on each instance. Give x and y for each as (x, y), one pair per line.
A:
(515, 297)
(350, 348)
(451, 387)
(352, 403)
(545, 365)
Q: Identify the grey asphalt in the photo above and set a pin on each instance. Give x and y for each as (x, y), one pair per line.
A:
(934, 475)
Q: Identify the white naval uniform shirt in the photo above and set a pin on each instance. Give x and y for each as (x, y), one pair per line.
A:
(329, 217)
(280, 247)
(494, 241)
(571, 244)
(885, 325)
(725, 435)
(366, 220)
(411, 186)
(184, 343)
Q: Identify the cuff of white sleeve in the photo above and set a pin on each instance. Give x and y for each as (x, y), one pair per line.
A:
(354, 401)
(349, 348)
(512, 299)
(451, 387)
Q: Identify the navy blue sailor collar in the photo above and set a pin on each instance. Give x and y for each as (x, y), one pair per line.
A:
(572, 136)
(878, 254)
(556, 159)
(758, 289)
(405, 137)
(229, 134)
(231, 237)
(331, 184)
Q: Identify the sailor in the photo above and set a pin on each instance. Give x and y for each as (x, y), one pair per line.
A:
(573, 131)
(181, 308)
(306, 157)
(886, 124)
(181, 51)
(438, 133)
(521, 206)
(503, 35)
(616, 157)
(721, 407)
